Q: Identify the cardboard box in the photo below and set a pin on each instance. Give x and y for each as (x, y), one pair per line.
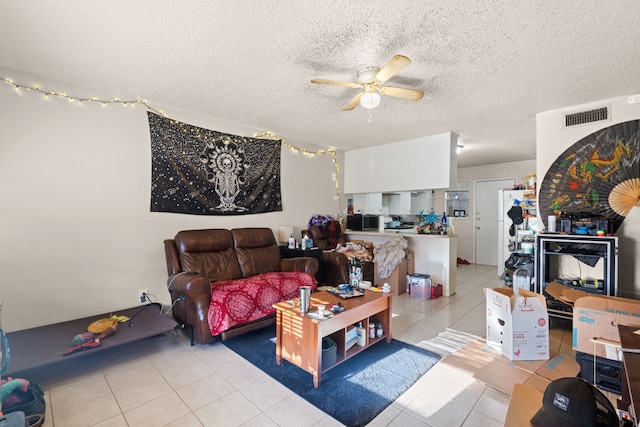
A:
(411, 260)
(597, 317)
(525, 401)
(517, 326)
(397, 280)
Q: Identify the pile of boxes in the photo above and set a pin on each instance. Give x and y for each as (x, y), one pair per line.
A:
(595, 339)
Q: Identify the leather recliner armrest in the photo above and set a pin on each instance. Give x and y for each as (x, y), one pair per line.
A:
(194, 286)
(191, 295)
(302, 264)
(336, 267)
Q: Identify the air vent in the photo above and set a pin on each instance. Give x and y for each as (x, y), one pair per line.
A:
(583, 117)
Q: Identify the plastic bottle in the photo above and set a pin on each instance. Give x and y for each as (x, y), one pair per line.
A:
(445, 223)
(303, 244)
(292, 242)
(362, 337)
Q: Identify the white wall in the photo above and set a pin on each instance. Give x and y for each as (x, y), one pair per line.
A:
(77, 237)
(464, 227)
(552, 139)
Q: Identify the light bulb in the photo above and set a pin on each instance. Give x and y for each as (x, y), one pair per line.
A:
(370, 99)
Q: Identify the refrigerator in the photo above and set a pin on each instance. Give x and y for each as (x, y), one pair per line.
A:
(506, 243)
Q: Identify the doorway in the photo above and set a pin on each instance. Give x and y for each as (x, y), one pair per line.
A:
(486, 218)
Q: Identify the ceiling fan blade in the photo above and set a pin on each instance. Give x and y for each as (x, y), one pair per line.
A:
(399, 92)
(394, 65)
(353, 103)
(337, 83)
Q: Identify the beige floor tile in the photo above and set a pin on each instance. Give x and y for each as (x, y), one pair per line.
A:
(80, 390)
(405, 419)
(205, 391)
(145, 391)
(437, 411)
(242, 374)
(294, 411)
(401, 322)
(232, 410)
(189, 420)
(260, 420)
(255, 392)
(117, 421)
(87, 412)
(125, 374)
(386, 416)
(493, 404)
(188, 370)
(158, 412)
(479, 420)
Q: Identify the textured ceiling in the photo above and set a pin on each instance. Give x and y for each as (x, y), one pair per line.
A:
(486, 67)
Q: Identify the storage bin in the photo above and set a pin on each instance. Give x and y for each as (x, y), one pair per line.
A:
(421, 286)
(608, 372)
(329, 352)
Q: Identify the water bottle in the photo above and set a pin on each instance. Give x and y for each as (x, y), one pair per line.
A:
(445, 223)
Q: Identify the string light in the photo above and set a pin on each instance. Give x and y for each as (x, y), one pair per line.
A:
(80, 100)
(185, 129)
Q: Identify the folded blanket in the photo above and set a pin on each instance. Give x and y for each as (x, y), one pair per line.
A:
(234, 302)
(389, 254)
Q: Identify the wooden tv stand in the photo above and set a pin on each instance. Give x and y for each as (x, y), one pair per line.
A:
(299, 338)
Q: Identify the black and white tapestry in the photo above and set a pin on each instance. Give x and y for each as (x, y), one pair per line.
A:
(204, 172)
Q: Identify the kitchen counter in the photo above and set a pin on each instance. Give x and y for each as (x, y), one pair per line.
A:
(434, 254)
(407, 232)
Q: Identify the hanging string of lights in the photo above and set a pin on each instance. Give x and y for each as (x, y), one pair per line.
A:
(126, 103)
(80, 100)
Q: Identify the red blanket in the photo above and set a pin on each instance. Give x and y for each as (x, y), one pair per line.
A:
(234, 302)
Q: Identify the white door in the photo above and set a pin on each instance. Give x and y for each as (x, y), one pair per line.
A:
(486, 218)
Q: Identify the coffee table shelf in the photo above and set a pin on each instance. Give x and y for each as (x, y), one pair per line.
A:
(299, 338)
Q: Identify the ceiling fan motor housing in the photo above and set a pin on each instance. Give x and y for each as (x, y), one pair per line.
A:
(367, 75)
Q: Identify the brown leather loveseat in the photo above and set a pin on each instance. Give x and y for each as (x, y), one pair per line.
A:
(241, 267)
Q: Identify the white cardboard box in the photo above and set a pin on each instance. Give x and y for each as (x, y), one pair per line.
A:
(517, 326)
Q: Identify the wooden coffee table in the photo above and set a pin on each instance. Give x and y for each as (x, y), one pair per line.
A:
(299, 337)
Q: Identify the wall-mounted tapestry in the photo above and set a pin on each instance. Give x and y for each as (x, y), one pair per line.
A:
(598, 176)
(204, 172)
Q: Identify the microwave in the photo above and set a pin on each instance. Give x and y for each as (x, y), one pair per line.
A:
(359, 222)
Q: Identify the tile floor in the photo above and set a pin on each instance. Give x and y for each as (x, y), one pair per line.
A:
(162, 381)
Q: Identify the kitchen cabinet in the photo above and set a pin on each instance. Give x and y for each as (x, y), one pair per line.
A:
(367, 203)
(398, 203)
(409, 165)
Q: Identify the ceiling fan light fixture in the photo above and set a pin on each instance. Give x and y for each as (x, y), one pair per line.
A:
(371, 99)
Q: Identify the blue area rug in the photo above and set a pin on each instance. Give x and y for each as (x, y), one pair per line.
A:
(353, 392)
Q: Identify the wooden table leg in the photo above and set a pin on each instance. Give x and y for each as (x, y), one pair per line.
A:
(278, 337)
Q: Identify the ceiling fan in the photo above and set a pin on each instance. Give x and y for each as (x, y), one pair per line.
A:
(371, 80)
